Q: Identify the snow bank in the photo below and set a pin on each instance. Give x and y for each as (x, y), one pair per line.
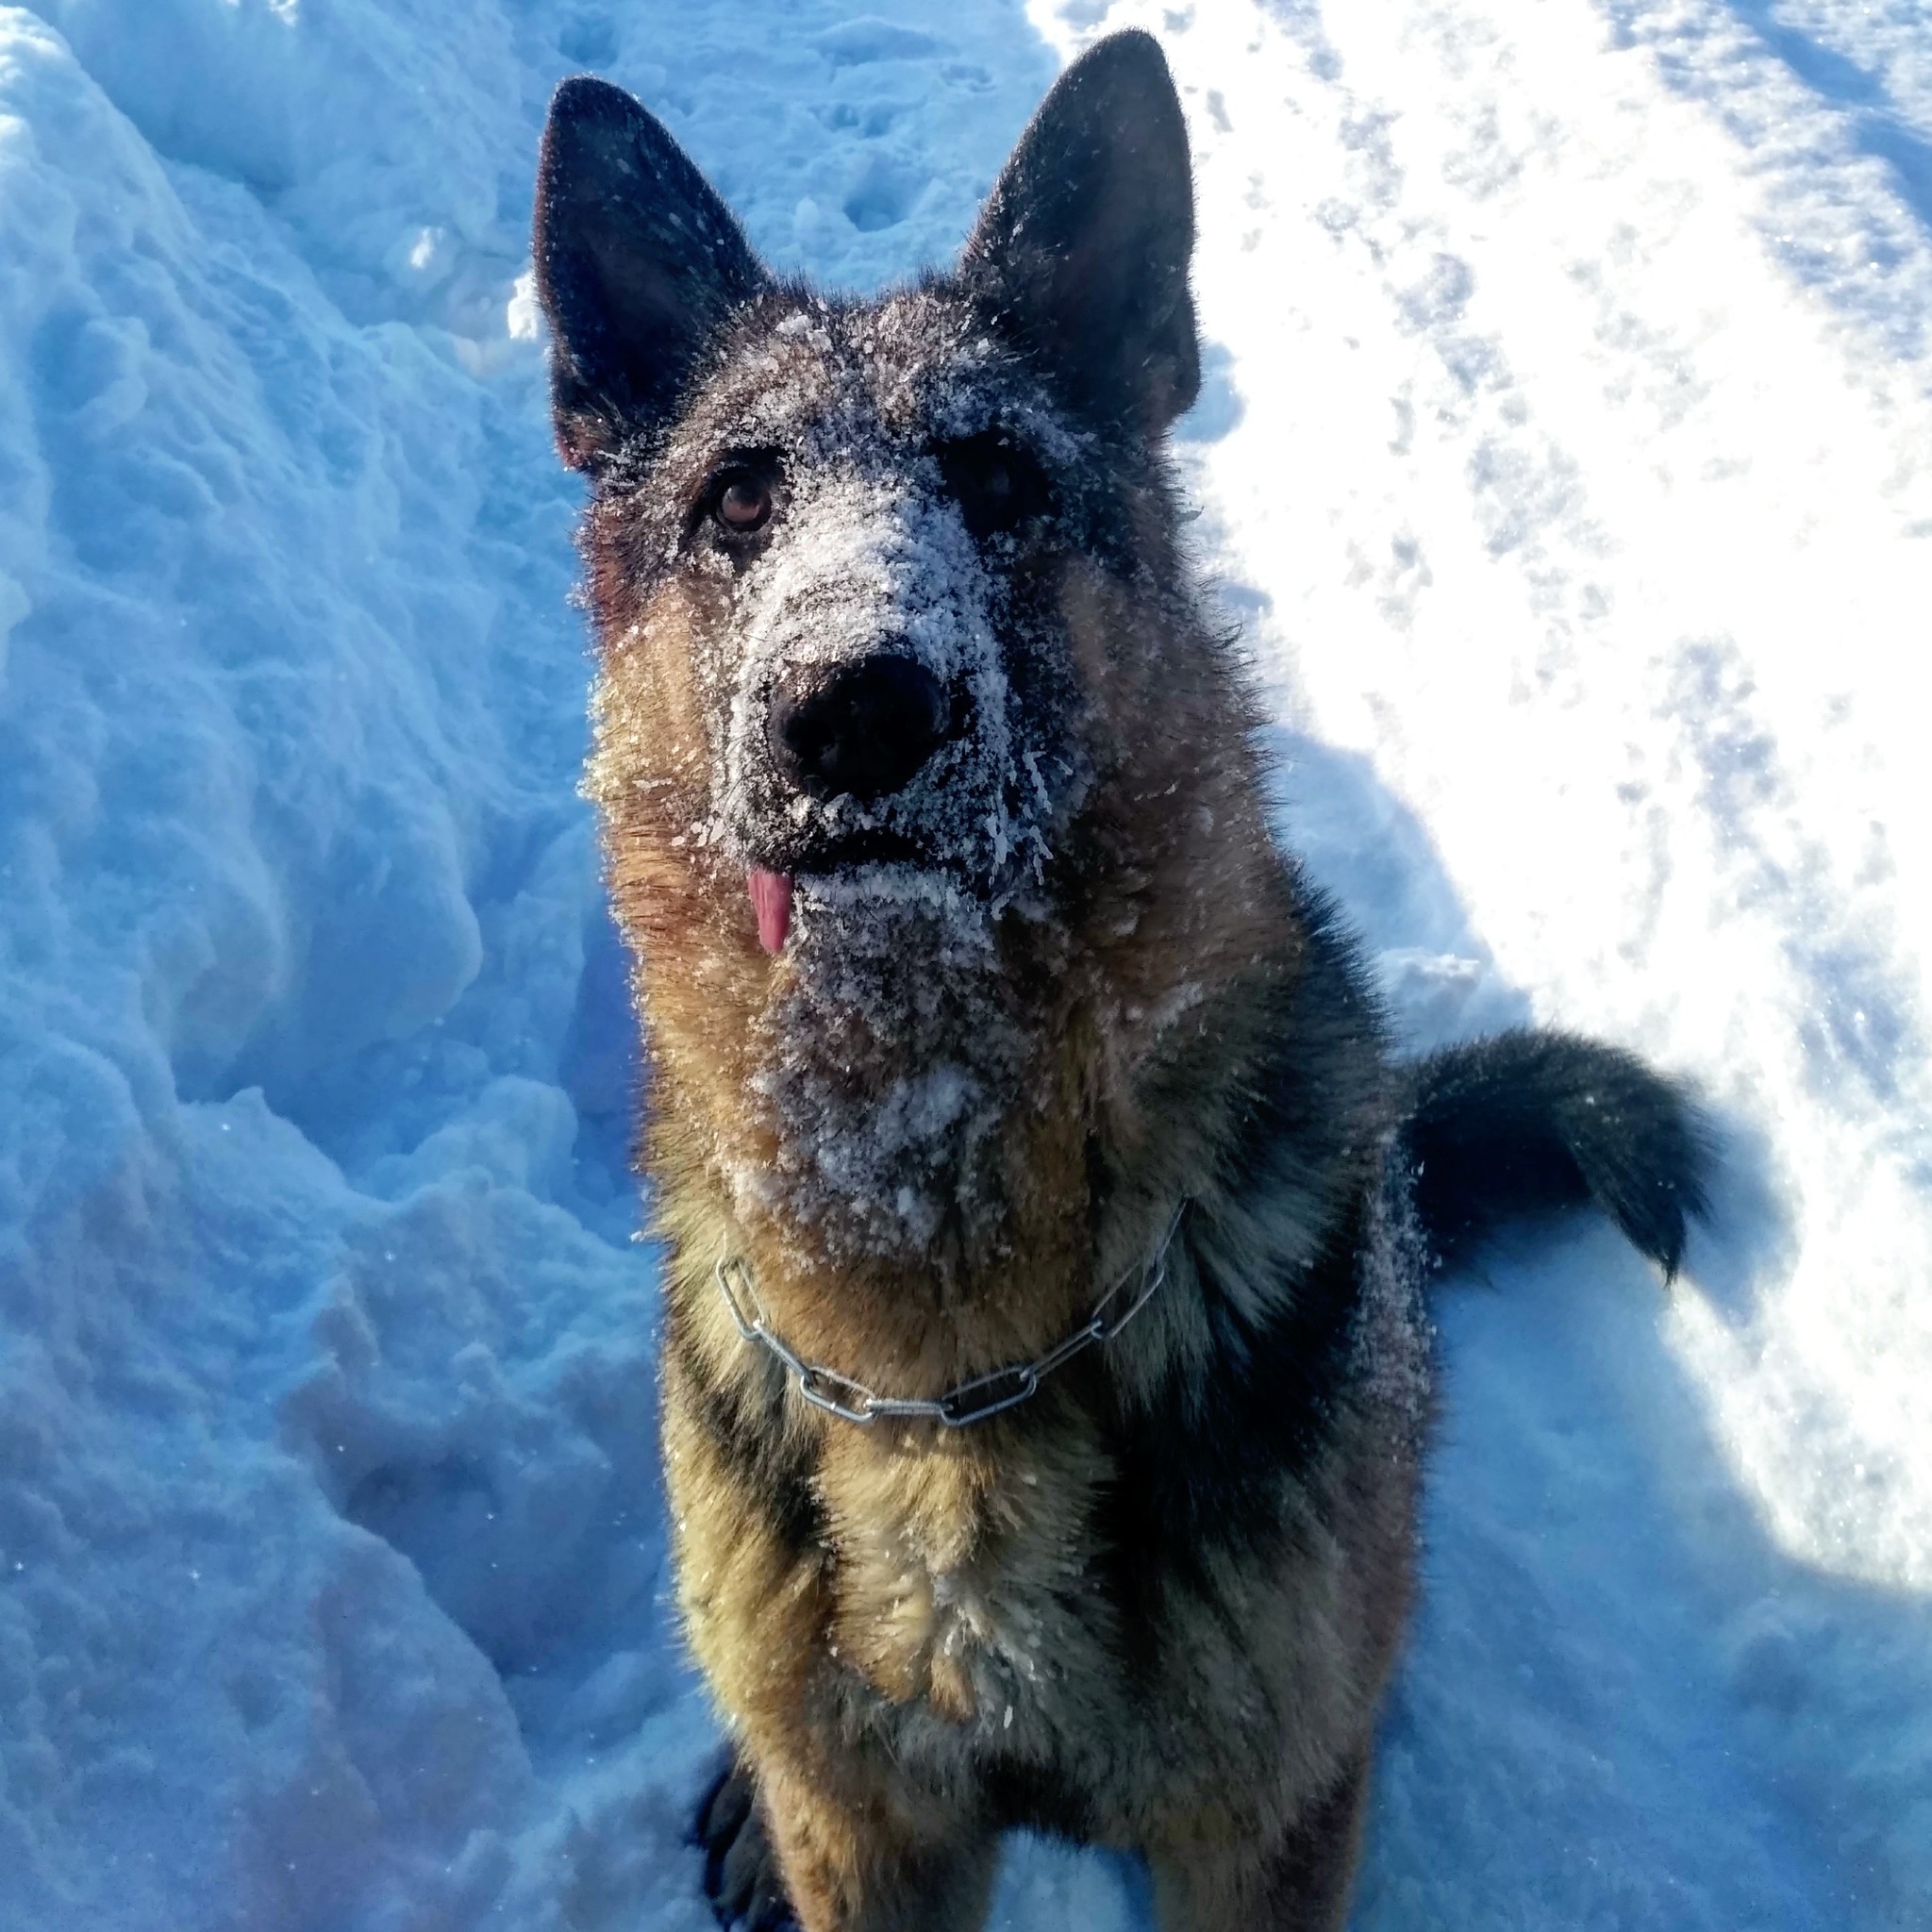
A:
(1564, 450)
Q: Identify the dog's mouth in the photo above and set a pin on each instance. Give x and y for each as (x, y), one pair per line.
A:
(771, 889)
(771, 905)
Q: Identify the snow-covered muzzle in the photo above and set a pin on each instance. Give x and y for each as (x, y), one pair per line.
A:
(871, 574)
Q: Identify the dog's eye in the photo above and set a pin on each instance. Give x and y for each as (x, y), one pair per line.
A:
(997, 483)
(738, 501)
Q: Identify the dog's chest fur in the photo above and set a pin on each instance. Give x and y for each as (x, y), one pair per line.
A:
(959, 1575)
(968, 1602)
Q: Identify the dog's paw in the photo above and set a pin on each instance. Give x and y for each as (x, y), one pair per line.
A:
(741, 1872)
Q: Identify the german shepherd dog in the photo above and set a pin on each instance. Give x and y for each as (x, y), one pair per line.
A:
(1045, 1370)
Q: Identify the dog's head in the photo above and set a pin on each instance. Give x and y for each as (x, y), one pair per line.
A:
(858, 517)
(902, 677)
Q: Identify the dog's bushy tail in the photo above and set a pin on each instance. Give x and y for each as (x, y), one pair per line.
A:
(1528, 1121)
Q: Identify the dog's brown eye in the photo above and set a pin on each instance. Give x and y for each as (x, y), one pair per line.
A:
(743, 503)
(996, 481)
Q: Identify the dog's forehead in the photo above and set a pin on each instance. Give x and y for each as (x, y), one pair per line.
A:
(864, 383)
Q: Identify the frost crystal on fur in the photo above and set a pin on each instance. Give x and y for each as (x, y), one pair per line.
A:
(1392, 1335)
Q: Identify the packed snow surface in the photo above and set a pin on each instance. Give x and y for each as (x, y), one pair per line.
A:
(1567, 454)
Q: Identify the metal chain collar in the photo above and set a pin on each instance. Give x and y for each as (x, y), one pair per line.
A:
(966, 1403)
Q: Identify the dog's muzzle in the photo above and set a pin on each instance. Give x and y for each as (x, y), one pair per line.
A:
(862, 730)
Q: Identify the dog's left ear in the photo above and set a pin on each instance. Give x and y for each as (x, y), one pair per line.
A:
(1081, 253)
(637, 261)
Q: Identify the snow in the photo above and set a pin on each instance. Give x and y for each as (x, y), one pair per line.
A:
(1565, 453)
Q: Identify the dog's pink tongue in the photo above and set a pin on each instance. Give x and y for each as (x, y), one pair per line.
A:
(771, 902)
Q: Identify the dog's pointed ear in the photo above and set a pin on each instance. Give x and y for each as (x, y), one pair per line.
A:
(637, 261)
(1081, 253)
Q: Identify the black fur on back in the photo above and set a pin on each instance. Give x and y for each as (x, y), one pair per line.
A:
(1527, 1121)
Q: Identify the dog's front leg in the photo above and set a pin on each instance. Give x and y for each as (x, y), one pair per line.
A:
(1299, 1882)
(845, 1865)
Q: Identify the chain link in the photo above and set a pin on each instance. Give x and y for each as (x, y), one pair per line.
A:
(967, 1402)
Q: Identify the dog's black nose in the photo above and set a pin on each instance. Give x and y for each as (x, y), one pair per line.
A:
(865, 731)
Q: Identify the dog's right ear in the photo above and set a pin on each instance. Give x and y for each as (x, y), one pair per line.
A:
(637, 261)
(1081, 253)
